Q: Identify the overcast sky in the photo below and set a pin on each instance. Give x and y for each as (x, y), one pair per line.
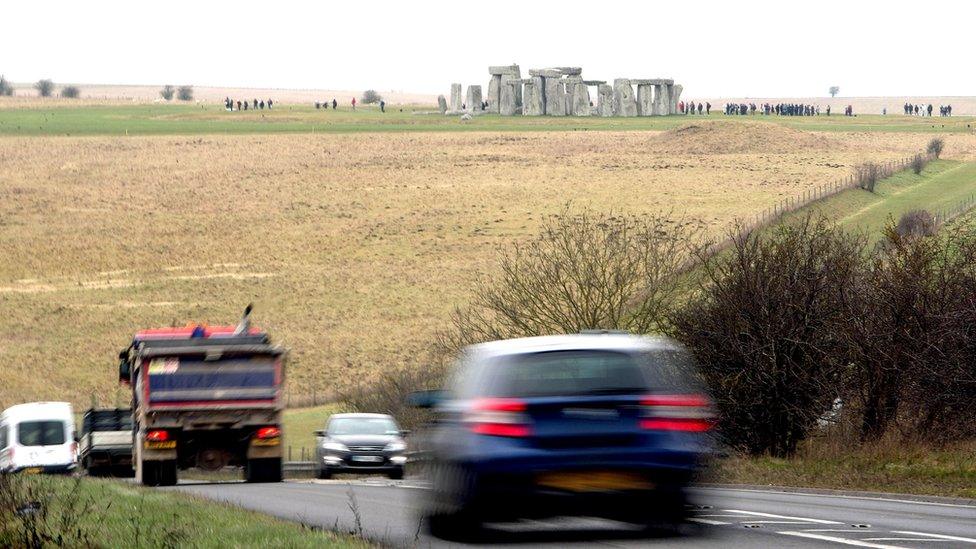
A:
(731, 48)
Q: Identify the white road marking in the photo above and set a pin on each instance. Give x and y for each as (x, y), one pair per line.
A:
(940, 536)
(706, 521)
(843, 541)
(722, 515)
(774, 522)
(868, 498)
(832, 530)
(770, 515)
(902, 539)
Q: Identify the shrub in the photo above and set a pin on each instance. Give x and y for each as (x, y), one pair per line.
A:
(6, 89)
(866, 175)
(918, 164)
(44, 87)
(916, 223)
(70, 92)
(766, 325)
(584, 271)
(167, 92)
(185, 93)
(935, 147)
(370, 97)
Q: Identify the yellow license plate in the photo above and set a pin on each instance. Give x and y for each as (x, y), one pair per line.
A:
(593, 481)
(160, 445)
(32, 470)
(266, 441)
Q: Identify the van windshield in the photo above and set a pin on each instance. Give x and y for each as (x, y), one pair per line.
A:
(41, 433)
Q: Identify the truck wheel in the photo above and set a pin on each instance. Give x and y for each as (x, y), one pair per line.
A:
(263, 470)
(148, 472)
(167, 473)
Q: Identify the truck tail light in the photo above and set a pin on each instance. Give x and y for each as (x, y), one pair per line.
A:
(157, 435)
(688, 413)
(268, 432)
(500, 417)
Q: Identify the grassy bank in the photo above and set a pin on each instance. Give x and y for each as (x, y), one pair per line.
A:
(158, 119)
(116, 514)
(887, 467)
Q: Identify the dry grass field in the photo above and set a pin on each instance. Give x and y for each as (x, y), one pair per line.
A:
(354, 247)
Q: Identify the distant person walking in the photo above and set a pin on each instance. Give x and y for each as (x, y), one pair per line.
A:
(270, 102)
(382, 106)
(262, 104)
(335, 104)
(353, 103)
(238, 104)
(255, 103)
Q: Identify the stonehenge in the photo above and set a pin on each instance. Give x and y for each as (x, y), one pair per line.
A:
(562, 91)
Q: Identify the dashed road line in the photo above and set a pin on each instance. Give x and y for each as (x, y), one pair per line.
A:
(835, 539)
(940, 536)
(770, 515)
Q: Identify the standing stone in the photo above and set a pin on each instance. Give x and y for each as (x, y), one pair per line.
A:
(474, 98)
(662, 104)
(456, 99)
(674, 92)
(645, 99)
(441, 104)
(604, 100)
(581, 100)
(555, 97)
(624, 103)
(539, 83)
(494, 93)
(532, 98)
(510, 90)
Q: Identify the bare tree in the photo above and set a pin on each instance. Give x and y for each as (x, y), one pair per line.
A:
(935, 147)
(584, 271)
(867, 175)
(185, 93)
(44, 87)
(70, 92)
(834, 90)
(370, 97)
(765, 324)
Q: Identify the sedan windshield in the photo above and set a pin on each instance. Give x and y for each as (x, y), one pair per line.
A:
(362, 426)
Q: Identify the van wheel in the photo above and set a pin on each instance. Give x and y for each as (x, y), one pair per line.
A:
(263, 470)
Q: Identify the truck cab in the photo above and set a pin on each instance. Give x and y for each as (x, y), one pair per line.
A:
(204, 397)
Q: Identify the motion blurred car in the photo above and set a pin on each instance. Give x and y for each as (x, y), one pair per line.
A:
(361, 443)
(603, 425)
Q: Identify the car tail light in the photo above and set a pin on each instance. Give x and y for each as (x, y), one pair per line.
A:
(157, 435)
(500, 417)
(690, 413)
(268, 432)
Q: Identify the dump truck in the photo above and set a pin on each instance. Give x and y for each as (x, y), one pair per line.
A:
(105, 443)
(205, 397)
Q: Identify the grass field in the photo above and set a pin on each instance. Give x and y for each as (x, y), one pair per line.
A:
(149, 119)
(126, 515)
(354, 247)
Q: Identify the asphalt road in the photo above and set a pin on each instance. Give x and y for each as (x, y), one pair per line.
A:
(726, 517)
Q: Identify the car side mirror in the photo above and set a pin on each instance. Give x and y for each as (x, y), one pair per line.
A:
(404, 432)
(125, 367)
(319, 433)
(426, 399)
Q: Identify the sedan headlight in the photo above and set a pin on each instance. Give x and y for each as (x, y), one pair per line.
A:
(397, 446)
(335, 446)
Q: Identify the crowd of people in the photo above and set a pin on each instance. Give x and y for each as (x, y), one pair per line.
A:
(781, 109)
(703, 107)
(926, 110)
(229, 104)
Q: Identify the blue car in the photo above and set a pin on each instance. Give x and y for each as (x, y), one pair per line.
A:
(606, 425)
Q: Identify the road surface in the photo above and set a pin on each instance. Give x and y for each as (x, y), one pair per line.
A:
(727, 517)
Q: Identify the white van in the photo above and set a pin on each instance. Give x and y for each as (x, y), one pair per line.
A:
(38, 437)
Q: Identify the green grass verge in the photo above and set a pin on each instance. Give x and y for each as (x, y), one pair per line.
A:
(125, 515)
(153, 119)
(299, 425)
(901, 469)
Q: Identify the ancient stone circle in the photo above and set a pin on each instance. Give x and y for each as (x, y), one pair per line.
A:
(561, 91)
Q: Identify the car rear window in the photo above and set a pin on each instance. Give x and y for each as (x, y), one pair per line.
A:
(40, 433)
(557, 373)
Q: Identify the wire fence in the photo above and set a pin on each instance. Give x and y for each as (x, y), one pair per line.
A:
(944, 215)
